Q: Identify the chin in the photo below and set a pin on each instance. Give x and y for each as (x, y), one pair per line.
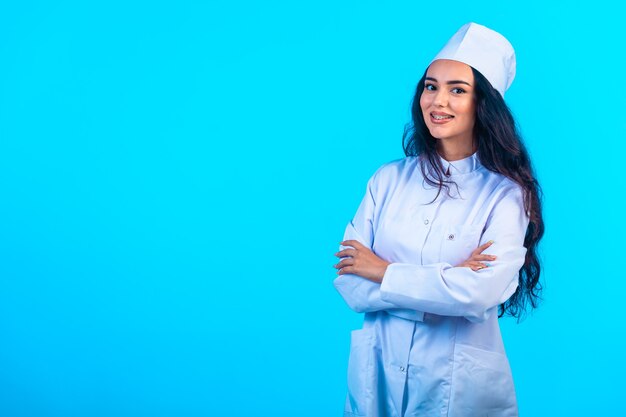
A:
(438, 135)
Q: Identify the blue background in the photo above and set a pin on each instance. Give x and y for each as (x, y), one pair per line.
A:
(175, 178)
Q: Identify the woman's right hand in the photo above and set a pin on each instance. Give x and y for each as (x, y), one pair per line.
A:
(474, 261)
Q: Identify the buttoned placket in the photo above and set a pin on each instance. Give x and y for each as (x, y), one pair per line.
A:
(403, 368)
(428, 217)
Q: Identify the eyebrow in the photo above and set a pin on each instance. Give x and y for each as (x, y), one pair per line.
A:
(450, 82)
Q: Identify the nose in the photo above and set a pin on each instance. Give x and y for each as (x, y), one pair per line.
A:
(441, 98)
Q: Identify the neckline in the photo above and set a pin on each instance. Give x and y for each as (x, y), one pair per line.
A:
(461, 166)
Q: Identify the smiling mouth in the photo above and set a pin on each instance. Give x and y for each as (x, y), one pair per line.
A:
(440, 119)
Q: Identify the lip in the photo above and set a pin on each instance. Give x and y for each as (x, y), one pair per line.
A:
(440, 122)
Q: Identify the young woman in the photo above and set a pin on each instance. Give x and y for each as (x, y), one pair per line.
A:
(443, 243)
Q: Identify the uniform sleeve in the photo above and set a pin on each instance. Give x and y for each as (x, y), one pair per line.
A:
(443, 289)
(363, 295)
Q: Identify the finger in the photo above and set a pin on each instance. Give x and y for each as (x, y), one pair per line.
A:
(346, 270)
(465, 264)
(346, 252)
(477, 266)
(354, 243)
(483, 257)
(482, 247)
(344, 262)
(470, 264)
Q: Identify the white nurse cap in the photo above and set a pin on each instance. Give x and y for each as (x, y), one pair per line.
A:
(484, 49)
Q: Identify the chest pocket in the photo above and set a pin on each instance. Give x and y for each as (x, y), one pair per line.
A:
(458, 242)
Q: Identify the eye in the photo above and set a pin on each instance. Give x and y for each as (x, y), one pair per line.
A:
(458, 90)
(427, 87)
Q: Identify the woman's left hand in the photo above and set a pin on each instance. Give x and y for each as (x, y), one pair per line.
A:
(360, 261)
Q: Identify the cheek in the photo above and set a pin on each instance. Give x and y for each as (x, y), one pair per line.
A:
(468, 112)
(471, 114)
(424, 104)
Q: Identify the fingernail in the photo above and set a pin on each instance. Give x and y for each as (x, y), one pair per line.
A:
(487, 264)
(490, 242)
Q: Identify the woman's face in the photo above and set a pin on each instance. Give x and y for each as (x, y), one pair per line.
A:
(447, 101)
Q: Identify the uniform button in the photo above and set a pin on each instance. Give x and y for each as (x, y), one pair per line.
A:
(451, 236)
(426, 221)
(402, 369)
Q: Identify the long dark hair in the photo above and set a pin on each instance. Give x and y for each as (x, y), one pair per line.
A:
(500, 149)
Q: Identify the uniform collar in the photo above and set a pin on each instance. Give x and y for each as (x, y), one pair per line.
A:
(461, 166)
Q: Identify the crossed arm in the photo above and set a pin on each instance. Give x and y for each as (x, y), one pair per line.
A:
(360, 260)
(470, 289)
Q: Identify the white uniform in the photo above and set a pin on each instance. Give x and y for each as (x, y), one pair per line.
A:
(430, 343)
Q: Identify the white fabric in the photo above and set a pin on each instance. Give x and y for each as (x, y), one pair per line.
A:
(484, 49)
(430, 343)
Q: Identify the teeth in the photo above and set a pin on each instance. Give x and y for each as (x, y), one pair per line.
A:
(441, 117)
